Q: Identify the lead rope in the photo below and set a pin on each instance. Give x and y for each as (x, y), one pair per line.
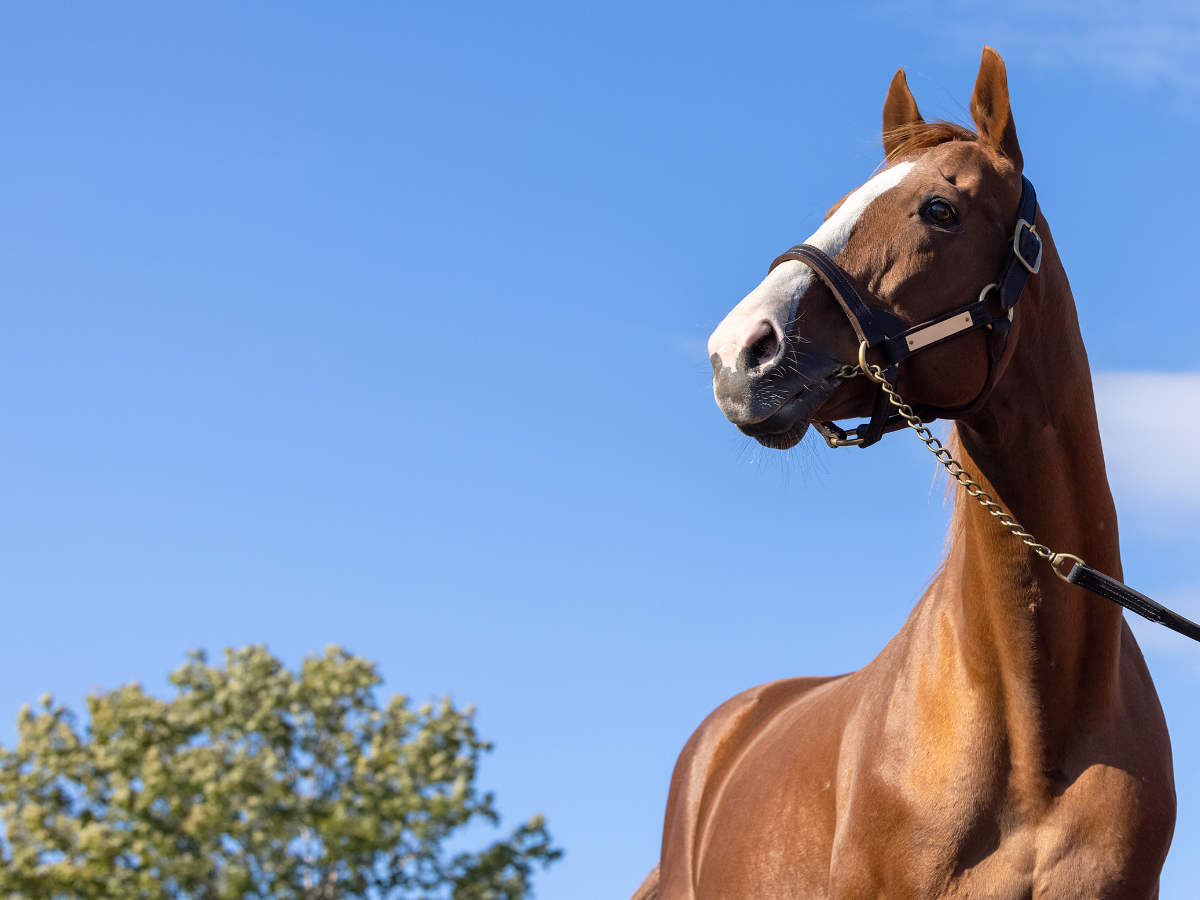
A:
(1081, 574)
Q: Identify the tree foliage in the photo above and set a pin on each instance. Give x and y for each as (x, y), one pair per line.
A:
(254, 782)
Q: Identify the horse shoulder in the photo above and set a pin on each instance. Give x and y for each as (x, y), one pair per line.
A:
(704, 766)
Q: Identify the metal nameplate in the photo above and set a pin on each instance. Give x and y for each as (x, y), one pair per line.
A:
(938, 331)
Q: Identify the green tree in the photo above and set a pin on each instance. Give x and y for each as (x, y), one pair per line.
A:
(254, 782)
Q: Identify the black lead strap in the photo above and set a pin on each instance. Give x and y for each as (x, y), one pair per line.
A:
(1111, 589)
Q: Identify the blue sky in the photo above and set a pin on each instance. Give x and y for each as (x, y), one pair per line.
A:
(384, 326)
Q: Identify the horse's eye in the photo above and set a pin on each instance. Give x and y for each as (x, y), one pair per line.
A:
(941, 212)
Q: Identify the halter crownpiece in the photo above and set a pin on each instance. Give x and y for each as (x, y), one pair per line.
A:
(879, 328)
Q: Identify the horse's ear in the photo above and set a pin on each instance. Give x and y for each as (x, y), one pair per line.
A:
(899, 112)
(991, 111)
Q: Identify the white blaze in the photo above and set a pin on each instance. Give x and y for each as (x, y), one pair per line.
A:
(775, 299)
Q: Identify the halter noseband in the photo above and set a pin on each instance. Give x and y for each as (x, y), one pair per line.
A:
(879, 328)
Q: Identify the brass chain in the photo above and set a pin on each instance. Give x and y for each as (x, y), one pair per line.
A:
(955, 469)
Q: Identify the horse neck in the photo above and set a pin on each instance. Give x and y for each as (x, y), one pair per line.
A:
(1050, 647)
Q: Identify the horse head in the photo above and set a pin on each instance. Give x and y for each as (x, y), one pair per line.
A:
(923, 237)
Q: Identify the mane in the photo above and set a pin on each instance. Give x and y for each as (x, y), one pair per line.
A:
(916, 136)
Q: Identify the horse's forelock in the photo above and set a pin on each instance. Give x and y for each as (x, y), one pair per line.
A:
(916, 136)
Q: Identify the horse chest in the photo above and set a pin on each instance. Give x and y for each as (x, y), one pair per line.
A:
(926, 823)
(1060, 853)
(805, 810)
(773, 853)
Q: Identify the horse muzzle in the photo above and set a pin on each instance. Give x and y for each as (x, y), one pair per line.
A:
(771, 398)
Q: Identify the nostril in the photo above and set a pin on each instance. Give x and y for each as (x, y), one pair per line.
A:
(765, 345)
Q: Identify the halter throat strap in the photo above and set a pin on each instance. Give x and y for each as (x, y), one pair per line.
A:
(876, 327)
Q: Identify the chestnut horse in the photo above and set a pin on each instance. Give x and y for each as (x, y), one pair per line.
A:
(1008, 742)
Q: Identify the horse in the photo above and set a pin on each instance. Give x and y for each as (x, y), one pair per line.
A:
(1008, 742)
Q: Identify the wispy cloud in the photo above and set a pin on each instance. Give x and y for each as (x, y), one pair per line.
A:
(1150, 424)
(1155, 42)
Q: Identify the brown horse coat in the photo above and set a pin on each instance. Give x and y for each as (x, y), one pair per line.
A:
(1008, 742)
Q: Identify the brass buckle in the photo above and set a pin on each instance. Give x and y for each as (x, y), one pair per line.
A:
(1037, 263)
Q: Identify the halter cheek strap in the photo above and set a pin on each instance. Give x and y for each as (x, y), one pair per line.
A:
(878, 328)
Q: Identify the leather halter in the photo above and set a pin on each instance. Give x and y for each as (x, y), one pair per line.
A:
(878, 328)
